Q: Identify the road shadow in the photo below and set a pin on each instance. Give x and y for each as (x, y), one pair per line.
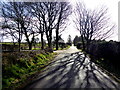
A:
(73, 71)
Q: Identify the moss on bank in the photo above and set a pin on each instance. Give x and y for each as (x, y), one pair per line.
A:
(17, 67)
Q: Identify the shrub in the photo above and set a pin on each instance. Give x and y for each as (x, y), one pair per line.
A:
(108, 51)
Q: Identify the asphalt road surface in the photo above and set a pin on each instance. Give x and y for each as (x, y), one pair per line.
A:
(71, 69)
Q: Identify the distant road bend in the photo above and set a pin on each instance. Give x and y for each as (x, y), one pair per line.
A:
(71, 69)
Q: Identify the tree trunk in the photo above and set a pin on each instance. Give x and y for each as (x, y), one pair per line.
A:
(57, 39)
(19, 44)
(30, 46)
(88, 46)
(42, 41)
(57, 30)
(19, 40)
(83, 43)
(49, 38)
(50, 44)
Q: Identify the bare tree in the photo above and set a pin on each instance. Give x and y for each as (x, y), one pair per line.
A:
(49, 14)
(11, 25)
(10, 30)
(69, 42)
(92, 24)
(53, 16)
(37, 11)
(38, 18)
(19, 13)
(64, 12)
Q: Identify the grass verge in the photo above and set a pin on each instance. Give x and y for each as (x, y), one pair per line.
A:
(18, 67)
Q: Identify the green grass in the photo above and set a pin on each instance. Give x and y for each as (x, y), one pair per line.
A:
(58, 48)
(16, 74)
(36, 48)
(10, 43)
(67, 47)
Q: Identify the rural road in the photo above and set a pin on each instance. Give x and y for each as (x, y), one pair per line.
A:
(71, 69)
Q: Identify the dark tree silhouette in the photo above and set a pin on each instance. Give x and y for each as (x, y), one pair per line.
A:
(11, 24)
(37, 10)
(69, 42)
(48, 14)
(20, 12)
(34, 18)
(64, 12)
(76, 40)
(10, 30)
(92, 24)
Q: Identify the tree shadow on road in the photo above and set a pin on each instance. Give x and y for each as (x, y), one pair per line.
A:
(73, 71)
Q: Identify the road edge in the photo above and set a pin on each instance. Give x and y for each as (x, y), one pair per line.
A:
(108, 73)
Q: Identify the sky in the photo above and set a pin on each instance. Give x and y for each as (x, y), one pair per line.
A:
(112, 6)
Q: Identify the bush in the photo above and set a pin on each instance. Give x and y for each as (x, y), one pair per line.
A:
(107, 51)
(79, 45)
